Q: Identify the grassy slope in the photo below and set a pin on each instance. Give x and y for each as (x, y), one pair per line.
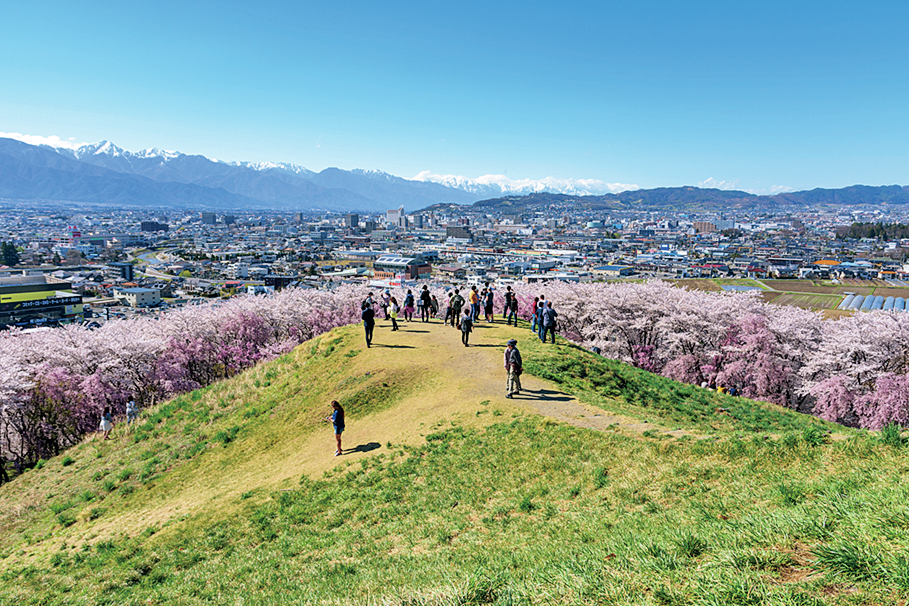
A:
(457, 495)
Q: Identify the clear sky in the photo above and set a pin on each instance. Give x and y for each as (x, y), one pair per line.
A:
(651, 93)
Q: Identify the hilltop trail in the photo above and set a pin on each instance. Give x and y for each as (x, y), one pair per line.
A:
(441, 382)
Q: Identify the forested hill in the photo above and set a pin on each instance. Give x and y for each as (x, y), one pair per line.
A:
(695, 198)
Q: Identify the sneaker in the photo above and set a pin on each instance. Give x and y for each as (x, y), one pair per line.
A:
(338, 454)
(508, 395)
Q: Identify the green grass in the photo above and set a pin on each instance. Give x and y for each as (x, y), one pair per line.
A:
(493, 514)
(623, 389)
(522, 510)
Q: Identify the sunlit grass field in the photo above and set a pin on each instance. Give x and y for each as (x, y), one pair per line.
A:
(217, 497)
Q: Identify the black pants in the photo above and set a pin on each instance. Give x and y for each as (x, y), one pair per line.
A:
(394, 324)
(369, 328)
(547, 329)
(424, 313)
(455, 315)
(464, 337)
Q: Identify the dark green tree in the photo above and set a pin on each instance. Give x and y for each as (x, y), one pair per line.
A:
(10, 254)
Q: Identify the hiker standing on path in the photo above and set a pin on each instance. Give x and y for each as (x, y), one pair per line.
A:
(488, 306)
(386, 301)
(107, 423)
(548, 321)
(534, 314)
(434, 307)
(369, 322)
(514, 366)
(408, 306)
(511, 306)
(457, 302)
(337, 421)
(540, 308)
(466, 327)
(474, 303)
(425, 304)
(394, 309)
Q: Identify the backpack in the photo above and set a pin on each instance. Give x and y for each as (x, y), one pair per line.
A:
(466, 324)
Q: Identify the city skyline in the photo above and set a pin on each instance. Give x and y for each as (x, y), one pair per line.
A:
(764, 99)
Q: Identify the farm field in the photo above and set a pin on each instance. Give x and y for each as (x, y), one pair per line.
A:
(808, 301)
(698, 284)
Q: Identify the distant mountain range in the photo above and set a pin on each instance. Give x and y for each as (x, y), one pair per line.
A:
(701, 199)
(107, 175)
(102, 174)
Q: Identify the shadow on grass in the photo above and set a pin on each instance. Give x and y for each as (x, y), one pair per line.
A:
(394, 346)
(363, 448)
(543, 394)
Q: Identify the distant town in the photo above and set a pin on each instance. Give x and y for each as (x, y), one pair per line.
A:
(70, 265)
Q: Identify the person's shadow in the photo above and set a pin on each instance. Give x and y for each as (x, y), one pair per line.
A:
(364, 447)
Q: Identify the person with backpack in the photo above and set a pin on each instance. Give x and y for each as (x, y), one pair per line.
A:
(408, 306)
(457, 302)
(394, 309)
(425, 304)
(466, 327)
(368, 316)
(514, 367)
(548, 322)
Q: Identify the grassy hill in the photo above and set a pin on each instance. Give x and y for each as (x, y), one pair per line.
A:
(600, 484)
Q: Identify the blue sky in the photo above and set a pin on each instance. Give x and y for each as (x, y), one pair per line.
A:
(756, 95)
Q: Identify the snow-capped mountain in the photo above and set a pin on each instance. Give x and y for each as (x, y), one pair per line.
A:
(491, 186)
(284, 185)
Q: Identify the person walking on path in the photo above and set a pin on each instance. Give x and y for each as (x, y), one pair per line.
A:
(457, 302)
(394, 309)
(474, 303)
(548, 322)
(466, 327)
(514, 367)
(337, 420)
(488, 306)
(511, 306)
(408, 306)
(107, 423)
(131, 412)
(386, 301)
(425, 304)
(369, 322)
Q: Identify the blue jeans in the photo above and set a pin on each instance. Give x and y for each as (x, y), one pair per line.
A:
(474, 311)
(512, 315)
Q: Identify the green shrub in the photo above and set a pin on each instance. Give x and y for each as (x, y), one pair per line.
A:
(66, 519)
(67, 460)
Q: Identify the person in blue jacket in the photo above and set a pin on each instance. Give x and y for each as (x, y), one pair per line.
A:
(337, 421)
